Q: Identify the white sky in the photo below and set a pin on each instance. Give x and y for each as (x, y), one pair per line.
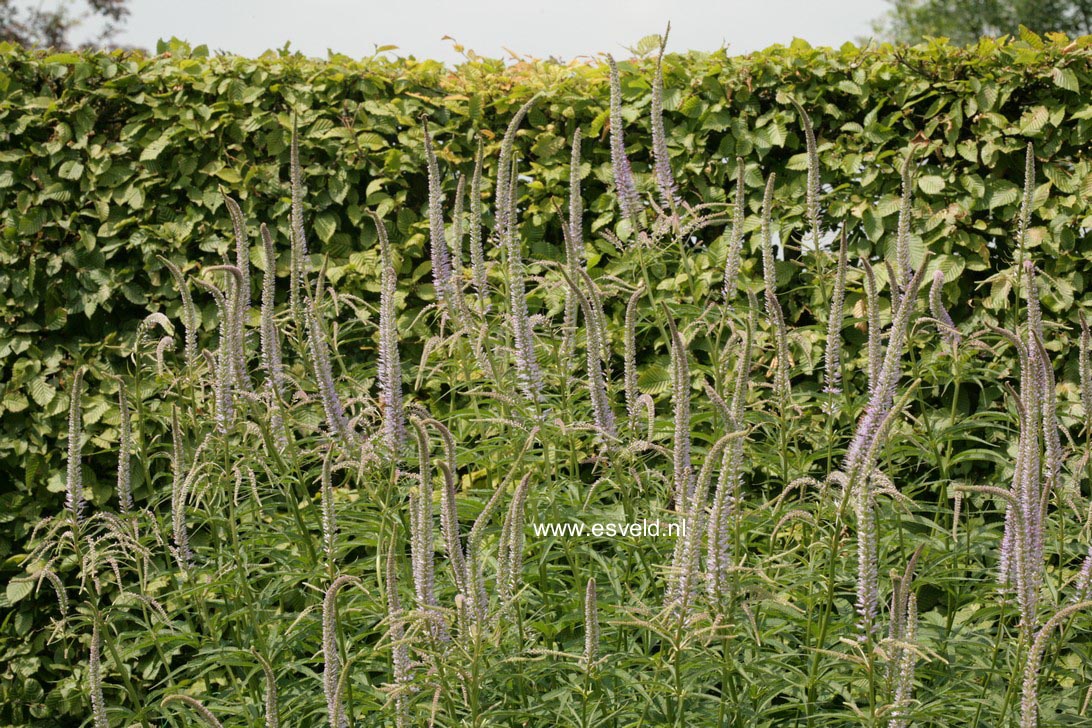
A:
(560, 28)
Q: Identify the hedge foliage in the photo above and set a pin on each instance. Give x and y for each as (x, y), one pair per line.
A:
(109, 160)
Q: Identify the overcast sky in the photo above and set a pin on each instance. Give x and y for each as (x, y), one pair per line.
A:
(560, 28)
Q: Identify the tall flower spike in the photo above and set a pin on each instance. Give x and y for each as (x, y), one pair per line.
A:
(510, 559)
(94, 679)
(1029, 701)
(242, 251)
(905, 268)
(1085, 354)
(441, 256)
(735, 238)
(1082, 585)
(629, 363)
(867, 546)
(236, 320)
(940, 313)
(224, 373)
(624, 185)
(782, 381)
(125, 450)
(74, 475)
(272, 716)
(597, 384)
(683, 574)
(390, 364)
(270, 342)
(1027, 198)
(449, 515)
(421, 540)
(832, 360)
(769, 273)
(331, 671)
(569, 322)
(812, 196)
(665, 180)
(591, 625)
(477, 598)
(683, 475)
(576, 205)
(457, 232)
(400, 656)
(573, 235)
(329, 510)
(598, 317)
(857, 464)
(477, 255)
(196, 705)
(299, 264)
(189, 312)
(504, 204)
(336, 419)
(527, 368)
(904, 664)
(269, 339)
(725, 508)
(1049, 402)
(875, 333)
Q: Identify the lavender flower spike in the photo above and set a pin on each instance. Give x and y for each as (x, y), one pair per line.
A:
(477, 255)
(904, 267)
(125, 451)
(329, 511)
(527, 367)
(681, 467)
(400, 657)
(242, 251)
(74, 476)
(832, 364)
(390, 365)
(940, 313)
(1029, 701)
(665, 180)
(624, 185)
(576, 205)
(336, 418)
(812, 197)
(441, 256)
(189, 312)
(735, 238)
(331, 671)
(94, 678)
(1085, 369)
(591, 625)
(298, 268)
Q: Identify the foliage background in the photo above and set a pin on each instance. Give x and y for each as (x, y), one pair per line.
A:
(108, 160)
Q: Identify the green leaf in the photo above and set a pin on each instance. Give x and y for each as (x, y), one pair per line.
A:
(41, 391)
(229, 175)
(1065, 78)
(654, 379)
(325, 225)
(70, 170)
(1034, 119)
(873, 225)
(931, 184)
(18, 589)
(153, 150)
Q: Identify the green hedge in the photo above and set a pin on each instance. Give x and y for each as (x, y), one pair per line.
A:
(108, 160)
